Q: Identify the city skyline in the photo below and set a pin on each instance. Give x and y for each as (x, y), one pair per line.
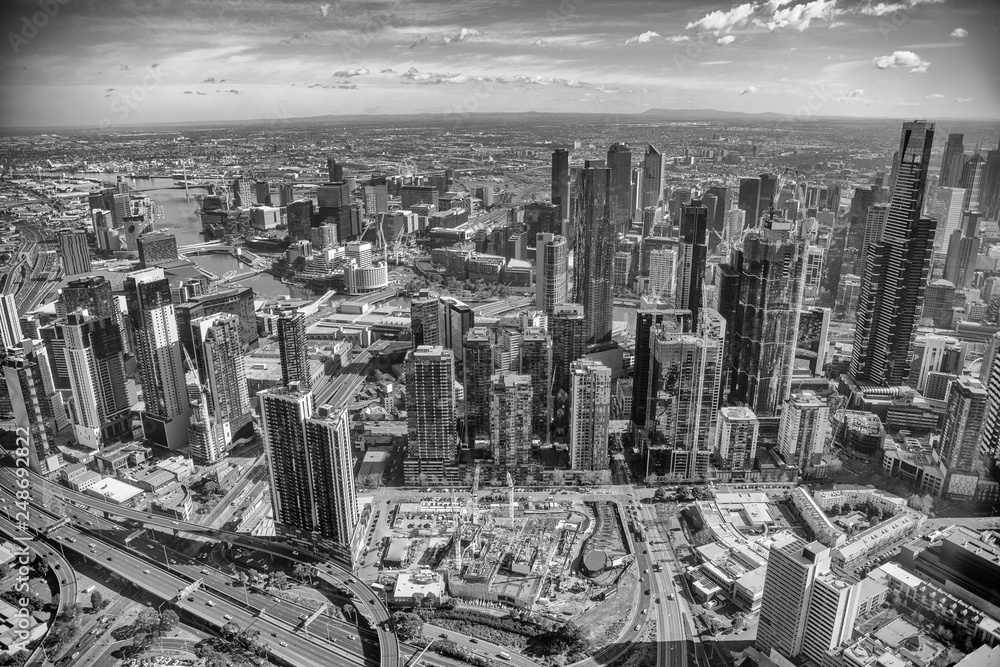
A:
(147, 62)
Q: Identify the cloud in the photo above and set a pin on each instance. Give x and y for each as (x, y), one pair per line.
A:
(428, 78)
(800, 16)
(906, 104)
(750, 90)
(855, 93)
(960, 33)
(721, 21)
(935, 96)
(210, 79)
(885, 8)
(728, 39)
(324, 9)
(644, 38)
(188, 92)
(962, 100)
(855, 96)
(438, 40)
(354, 71)
(233, 91)
(674, 39)
(902, 59)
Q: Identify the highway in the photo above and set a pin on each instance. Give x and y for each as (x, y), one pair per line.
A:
(341, 388)
(670, 632)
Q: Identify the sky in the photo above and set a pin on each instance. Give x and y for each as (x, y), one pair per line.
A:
(113, 63)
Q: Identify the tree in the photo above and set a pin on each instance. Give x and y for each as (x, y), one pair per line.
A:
(660, 494)
(147, 620)
(408, 626)
(279, 580)
(921, 503)
(230, 630)
(303, 571)
(97, 601)
(169, 620)
(210, 488)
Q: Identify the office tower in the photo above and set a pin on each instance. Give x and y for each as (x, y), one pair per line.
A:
(121, 207)
(692, 256)
(951, 162)
(551, 271)
(792, 569)
(896, 271)
(74, 251)
(293, 350)
(413, 195)
(878, 215)
(814, 271)
(29, 388)
(736, 438)
(425, 321)
(479, 352)
(54, 339)
(811, 343)
(712, 331)
(769, 195)
(620, 186)
(735, 223)
(510, 419)
(635, 197)
(243, 192)
(376, 199)
(972, 182)
(646, 322)
(333, 195)
(155, 248)
(652, 178)
(235, 301)
(804, 429)
(97, 376)
(990, 198)
(717, 222)
(158, 353)
(430, 412)
(990, 445)
(960, 265)
(286, 194)
(833, 610)
(536, 363)
(456, 320)
(10, 322)
(334, 171)
(590, 411)
(222, 371)
(595, 252)
(310, 466)
(747, 200)
(761, 303)
(568, 328)
(848, 292)
(963, 421)
(662, 274)
(541, 217)
(947, 206)
(560, 183)
(624, 269)
(262, 191)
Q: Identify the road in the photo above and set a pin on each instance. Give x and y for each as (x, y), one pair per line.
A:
(217, 517)
(670, 632)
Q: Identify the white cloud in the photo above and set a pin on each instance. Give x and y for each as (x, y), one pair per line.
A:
(902, 59)
(643, 38)
(960, 33)
(935, 96)
(855, 93)
(750, 90)
(721, 21)
(674, 39)
(800, 16)
(728, 39)
(962, 100)
(325, 9)
(906, 104)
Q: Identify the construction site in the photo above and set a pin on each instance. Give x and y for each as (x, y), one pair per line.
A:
(521, 554)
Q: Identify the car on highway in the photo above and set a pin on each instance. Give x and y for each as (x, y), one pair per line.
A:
(503, 656)
(210, 603)
(149, 546)
(443, 635)
(353, 638)
(473, 640)
(73, 657)
(657, 600)
(283, 643)
(228, 617)
(670, 597)
(145, 571)
(637, 628)
(645, 571)
(175, 523)
(92, 545)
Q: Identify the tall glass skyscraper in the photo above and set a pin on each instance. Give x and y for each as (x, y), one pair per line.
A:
(595, 252)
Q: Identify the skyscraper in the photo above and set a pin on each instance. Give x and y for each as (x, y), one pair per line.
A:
(833, 610)
(972, 181)
(595, 252)
(652, 177)
(536, 363)
(430, 413)
(293, 350)
(97, 375)
(620, 186)
(425, 321)
(10, 322)
(663, 274)
(510, 419)
(804, 428)
(896, 270)
(749, 196)
(29, 386)
(568, 328)
(222, 371)
(693, 253)
(736, 438)
(963, 423)
(646, 323)
(479, 353)
(310, 465)
(792, 569)
(74, 251)
(951, 162)
(156, 248)
(158, 352)
(551, 271)
(560, 184)
(590, 411)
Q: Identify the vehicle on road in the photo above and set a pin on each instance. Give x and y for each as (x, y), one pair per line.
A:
(283, 643)
(228, 617)
(473, 640)
(670, 597)
(503, 656)
(637, 628)
(210, 603)
(145, 571)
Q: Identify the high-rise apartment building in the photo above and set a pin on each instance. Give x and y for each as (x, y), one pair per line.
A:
(736, 438)
(10, 322)
(376, 199)
(792, 569)
(511, 401)
(963, 424)
(74, 251)
(833, 610)
(96, 363)
(947, 206)
(425, 321)
(29, 387)
(293, 350)
(479, 355)
(235, 301)
(594, 252)
(647, 325)
(747, 199)
(972, 181)
(662, 274)
(568, 328)
(896, 270)
(536, 363)
(620, 186)
(652, 178)
(156, 248)
(310, 464)
(951, 162)
(804, 428)
(222, 371)
(430, 412)
(590, 411)
(560, 183)
(693, 253)
(167, 410)
(551, 271)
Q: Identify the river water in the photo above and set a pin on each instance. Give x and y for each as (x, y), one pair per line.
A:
(180, 217)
